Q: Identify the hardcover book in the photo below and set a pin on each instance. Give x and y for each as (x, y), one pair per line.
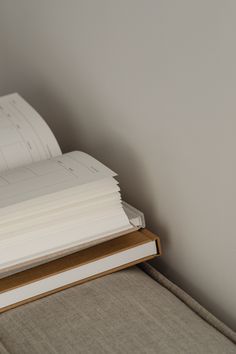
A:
(51, 204)
(76, 268)
(62, 218)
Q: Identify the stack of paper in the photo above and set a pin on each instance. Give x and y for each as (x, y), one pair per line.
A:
(50, 203)
(77, 268)
(54, 206)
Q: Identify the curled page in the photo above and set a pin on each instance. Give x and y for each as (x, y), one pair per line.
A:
(74, 169)
(24, 136)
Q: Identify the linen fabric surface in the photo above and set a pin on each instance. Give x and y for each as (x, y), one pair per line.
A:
(125, 312)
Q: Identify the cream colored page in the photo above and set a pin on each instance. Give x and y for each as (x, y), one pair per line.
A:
(24, 136)
(45, 177)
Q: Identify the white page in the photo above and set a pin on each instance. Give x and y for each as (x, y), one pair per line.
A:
(23, 216)
(48, 229)
(54, 218)
(73, 170)
(24, 135)
(49, 176)
(50, 202)
(42, 246)
(75, 274)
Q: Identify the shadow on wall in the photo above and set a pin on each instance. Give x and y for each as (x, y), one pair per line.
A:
(119, 155)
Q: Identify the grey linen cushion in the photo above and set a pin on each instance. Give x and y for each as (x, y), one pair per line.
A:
(126, 312)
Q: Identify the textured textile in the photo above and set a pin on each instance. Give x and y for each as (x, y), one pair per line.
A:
(3, 349)
(126, 312)
(188, 300)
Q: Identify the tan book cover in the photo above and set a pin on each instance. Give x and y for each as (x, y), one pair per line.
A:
(77, 260)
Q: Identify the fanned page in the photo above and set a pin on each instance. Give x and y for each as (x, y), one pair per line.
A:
(49, 203)
(56, 204)
(24, 136)
(47, 177)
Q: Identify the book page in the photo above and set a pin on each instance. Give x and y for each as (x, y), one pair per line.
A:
(50, 176)
(61, 226)
(24, 136)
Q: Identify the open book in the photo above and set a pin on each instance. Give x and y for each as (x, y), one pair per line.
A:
(51, 204)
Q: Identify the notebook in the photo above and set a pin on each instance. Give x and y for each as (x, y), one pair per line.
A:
(77, 268)
(52, 204)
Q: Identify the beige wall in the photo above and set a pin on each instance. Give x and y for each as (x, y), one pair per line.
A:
(149, 88)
